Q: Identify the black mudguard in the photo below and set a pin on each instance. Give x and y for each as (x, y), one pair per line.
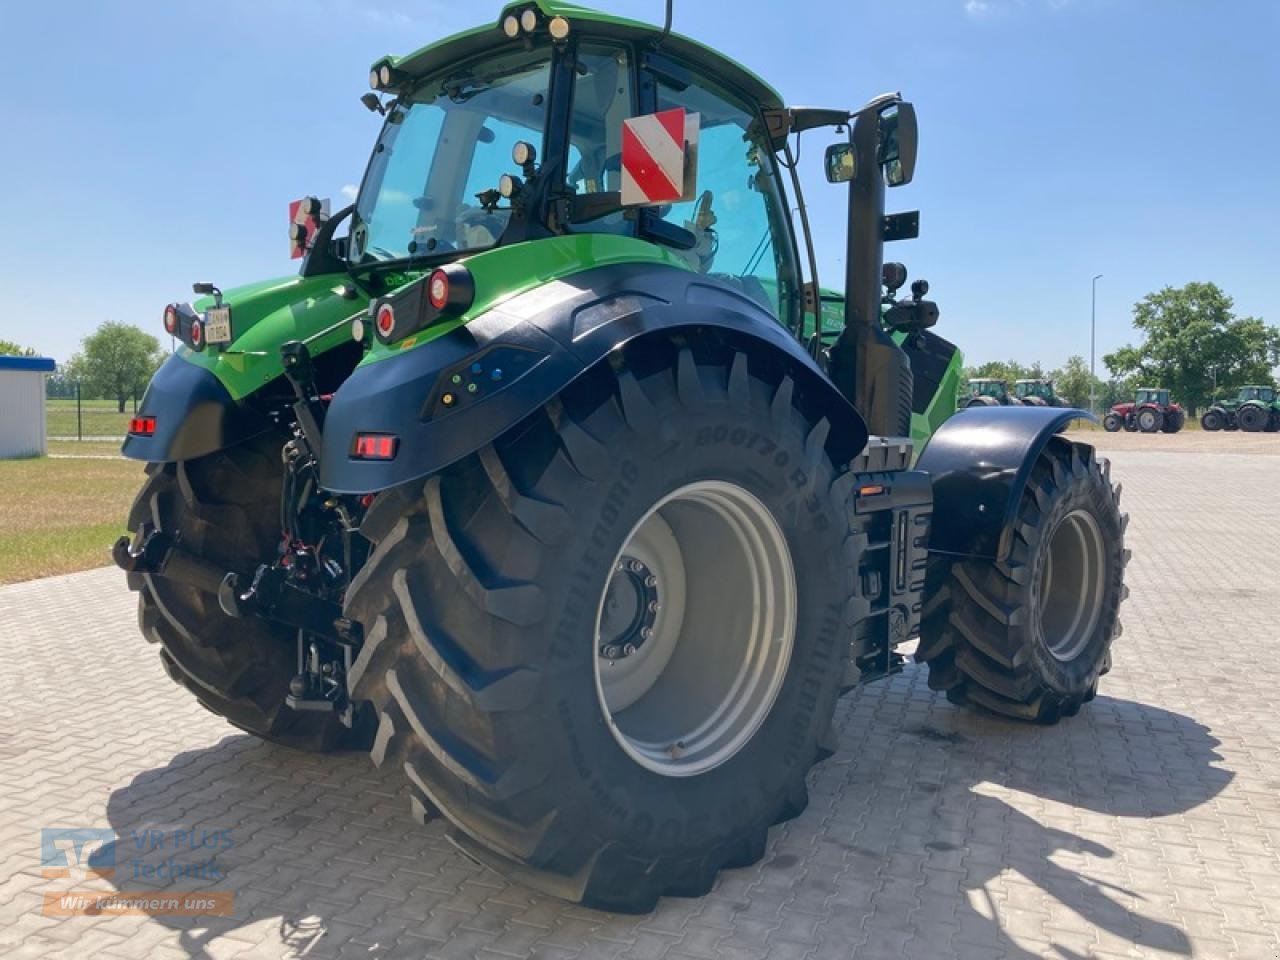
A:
(194, 415)
(516, 357)
(980, 461)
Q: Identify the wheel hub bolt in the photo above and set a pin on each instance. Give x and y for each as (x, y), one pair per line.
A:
(628, 649)
(651, 581)
(654, 606)
(645, 633)
(637, 566)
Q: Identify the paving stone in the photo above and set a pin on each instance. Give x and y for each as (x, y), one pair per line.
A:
(1148, 826)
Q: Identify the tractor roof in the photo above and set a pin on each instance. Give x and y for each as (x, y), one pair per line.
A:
(1036, 380)
(480, 40)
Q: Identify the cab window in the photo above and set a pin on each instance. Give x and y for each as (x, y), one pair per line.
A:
(738, 214)
(602, 99)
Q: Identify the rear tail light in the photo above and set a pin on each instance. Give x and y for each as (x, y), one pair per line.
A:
(375, 446)
(385, 321)
(142, 426)
(171, 320)
(197, 335)
(438, 290)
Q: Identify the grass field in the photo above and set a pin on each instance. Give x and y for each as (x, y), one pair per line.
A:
(98, 418)
(58, 516)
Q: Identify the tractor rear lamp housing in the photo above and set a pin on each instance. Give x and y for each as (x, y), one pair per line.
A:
(142, 427)
(445, 293)
(375, 446)
(171, 320)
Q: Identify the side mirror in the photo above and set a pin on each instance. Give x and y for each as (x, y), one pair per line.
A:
(840, 163)
(899, 140)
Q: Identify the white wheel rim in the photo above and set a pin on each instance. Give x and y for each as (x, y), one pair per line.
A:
(1072, 583)
(708, 574)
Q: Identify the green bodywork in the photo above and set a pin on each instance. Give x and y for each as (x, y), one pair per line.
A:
(314, 310)
(468, 43)
(943, 404)
(1261, 395)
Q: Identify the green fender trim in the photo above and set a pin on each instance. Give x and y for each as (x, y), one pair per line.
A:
(505, 272)
(264, 315)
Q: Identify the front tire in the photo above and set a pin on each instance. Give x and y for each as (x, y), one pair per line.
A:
(1112, 422)
(1029, 636)
(224, 511)
(501, 598)
(1213, 420)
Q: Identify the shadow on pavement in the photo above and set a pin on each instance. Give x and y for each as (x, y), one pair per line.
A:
(321, 854)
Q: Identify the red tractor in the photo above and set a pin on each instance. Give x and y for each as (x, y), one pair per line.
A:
(1150, 412)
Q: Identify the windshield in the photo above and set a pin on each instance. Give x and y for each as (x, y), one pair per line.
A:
(442, 145)
(987, 388)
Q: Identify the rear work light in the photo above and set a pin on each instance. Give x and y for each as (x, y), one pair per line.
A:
(142, 426)
(375, 446)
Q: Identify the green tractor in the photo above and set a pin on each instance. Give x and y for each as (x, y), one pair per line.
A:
(1037, 392)
(988, 392)
(546, 482)
(1254, 409)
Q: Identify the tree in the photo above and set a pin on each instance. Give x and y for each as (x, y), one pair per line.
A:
(10, 349)
(1194, 344)
(117, 361)
(1073, 382)
(1007, 370)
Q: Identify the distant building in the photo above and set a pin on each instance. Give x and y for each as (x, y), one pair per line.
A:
(22, 417)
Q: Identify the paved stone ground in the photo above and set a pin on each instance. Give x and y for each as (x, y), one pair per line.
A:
(1149, 826)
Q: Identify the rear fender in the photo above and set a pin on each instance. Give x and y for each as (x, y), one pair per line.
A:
(513, 359)
(980, 461)
(194, 415)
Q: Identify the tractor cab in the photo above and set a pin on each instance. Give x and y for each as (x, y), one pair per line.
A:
(1038, 388)
(989, 387)
(1157, 396)
(1258, 394)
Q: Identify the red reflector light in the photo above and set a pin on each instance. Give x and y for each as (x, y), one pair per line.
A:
(376, 446)
(142, 426)
(386, 320)
(438, 290)
(171, 320)
(197, 335)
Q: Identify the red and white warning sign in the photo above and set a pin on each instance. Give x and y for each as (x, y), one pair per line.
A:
(305, 217)
(659, 157)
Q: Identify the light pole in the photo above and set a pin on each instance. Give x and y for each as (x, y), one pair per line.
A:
(1093, 338)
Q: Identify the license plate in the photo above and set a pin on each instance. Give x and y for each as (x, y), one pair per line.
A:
(217, 325)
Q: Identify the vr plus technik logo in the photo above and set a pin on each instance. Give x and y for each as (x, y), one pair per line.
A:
(77, 853)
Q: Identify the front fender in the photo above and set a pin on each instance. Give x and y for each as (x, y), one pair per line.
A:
(514, 358)
(980, 461)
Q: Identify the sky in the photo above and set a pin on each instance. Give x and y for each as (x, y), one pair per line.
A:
(150, 144)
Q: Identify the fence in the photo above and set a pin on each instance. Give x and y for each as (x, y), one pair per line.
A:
(75, 418)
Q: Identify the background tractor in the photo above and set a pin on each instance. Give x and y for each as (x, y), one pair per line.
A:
(546, 481)
(1037, 393)
(1254, 409)
(988, 392)
(1151, 412)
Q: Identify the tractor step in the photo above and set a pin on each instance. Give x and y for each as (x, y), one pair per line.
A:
(892, 505)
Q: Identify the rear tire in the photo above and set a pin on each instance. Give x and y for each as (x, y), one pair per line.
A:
(1028, 637)
(1150, 420)
(225, 509)
(1213, 420)
(483, 601)
(1253, 419)
(1112, 422)
(1174, 422)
